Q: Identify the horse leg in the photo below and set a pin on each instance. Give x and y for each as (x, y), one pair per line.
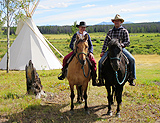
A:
(119, 90)
(72, 96)
(81, 97)
(110, 99)
(79, 94)
(113, 97)
(84, 87)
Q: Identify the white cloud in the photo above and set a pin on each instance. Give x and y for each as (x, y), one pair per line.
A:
(86, 6)
(43, 7)
(131, 11)
(125, 10)
(57, 5)
(141, 15)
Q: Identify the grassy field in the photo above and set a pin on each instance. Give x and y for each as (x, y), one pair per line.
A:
(141, 43)
(140, 103)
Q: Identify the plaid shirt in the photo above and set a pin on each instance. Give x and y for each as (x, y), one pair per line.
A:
(120, 33)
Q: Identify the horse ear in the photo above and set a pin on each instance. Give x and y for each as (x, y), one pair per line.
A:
(86, 37)
(77, 37)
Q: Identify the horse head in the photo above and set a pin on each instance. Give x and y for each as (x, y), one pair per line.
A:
(81, 48)
(115, 49)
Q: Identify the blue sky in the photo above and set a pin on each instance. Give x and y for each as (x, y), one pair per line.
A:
(65, 12)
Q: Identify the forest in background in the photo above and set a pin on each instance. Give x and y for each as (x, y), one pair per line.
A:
(150, 27)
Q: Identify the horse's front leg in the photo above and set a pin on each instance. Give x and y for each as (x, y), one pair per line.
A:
(110, 99)
(113, 93)
(119, 99)
(72, 97)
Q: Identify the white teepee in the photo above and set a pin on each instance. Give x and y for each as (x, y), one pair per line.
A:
(30, 44)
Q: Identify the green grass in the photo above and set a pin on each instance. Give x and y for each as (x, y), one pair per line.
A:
(141, 43)
(140, 103)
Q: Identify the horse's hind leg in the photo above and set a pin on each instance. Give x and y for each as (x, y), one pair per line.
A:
(79, 93)
(85, 97)
(110, 100)
(119, 99)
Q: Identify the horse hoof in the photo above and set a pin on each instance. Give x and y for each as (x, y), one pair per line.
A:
(71, 112)
(79, 102)
(109, 113)
(118, 115)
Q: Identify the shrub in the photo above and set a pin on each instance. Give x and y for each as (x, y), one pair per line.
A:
(98, 41)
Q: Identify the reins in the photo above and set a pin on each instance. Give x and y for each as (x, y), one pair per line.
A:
(124, 75)
(116, 58)
(83, 65)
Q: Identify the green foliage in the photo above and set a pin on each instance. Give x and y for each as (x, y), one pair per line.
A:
(73, 29)
(10, 95)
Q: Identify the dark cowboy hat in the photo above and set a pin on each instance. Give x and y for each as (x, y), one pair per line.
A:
(82, 23)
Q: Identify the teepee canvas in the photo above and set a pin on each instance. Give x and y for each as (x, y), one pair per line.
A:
(30, 45)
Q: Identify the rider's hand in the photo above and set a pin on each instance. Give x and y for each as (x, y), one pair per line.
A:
(101, 54)
(122, 45)
(91, 55)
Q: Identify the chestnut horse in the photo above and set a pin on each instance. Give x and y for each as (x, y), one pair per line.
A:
(79, 71)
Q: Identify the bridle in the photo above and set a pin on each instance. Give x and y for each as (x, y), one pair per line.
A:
(116, 58)
(80, 61)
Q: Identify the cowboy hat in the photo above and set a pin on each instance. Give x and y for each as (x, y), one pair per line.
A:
(82, 23)
(118, 17)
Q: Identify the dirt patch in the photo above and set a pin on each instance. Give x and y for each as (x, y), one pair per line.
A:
(157, 83)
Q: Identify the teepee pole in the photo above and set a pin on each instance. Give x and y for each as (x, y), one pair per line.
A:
(53, 46)
(33, 5)
(45, 39)
(33, 10)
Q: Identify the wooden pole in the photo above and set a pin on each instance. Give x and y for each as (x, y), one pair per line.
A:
(8, 42)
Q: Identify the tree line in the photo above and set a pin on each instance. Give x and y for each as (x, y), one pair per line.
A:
(152, 27)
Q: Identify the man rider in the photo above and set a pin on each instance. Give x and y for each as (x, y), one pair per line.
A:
(121, 33)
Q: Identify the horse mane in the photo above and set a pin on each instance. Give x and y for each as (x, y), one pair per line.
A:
(114, 42)
(76, 42)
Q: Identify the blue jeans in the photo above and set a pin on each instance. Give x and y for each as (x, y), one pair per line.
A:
(128, 55)
(100, 63)
(131, 62)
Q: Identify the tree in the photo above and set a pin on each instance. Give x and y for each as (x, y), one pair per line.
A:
(11, 11)
(73, 29)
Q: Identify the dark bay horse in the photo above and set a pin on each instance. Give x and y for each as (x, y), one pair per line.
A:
(79, 71)
(116, 73)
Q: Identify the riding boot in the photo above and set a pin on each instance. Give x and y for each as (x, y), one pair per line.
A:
(62, 77)
(94, 76)
(101, 80)
(131, 82)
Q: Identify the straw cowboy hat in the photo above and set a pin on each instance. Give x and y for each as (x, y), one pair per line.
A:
(82, 23)
(118, 17)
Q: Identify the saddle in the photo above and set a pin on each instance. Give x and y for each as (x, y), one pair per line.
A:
(70, 59)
